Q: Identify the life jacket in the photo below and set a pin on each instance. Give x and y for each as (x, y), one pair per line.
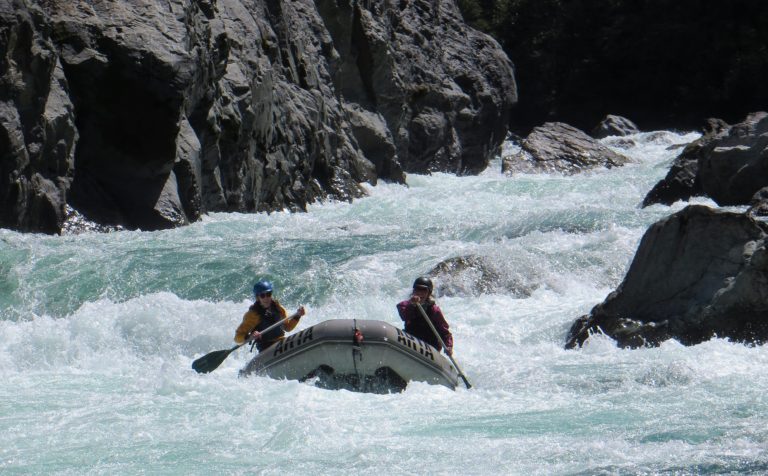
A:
(418, 327)
(268, 317)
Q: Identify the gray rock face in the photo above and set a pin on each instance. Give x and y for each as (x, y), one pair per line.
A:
(147, 114)
(728, 164)
(737, 166)
(697, 274)
(37, 130)
(613, 125)
(558, 147)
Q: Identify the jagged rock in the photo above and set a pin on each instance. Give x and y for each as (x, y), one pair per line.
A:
(728, 164)
(376, 141)
(188, 170)
(37, 126)
(714, 126)
(758, 205)
(697, 274)
(680, 182)
(558, 147)
(613, 125)
(148, 115)
(737, 167)
(75, 223)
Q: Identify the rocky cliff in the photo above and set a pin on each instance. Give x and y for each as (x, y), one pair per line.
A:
(146, 114)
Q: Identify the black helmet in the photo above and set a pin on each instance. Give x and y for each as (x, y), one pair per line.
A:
(423, 282)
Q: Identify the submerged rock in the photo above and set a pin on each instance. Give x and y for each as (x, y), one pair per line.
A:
(697, 274)
(474, 275)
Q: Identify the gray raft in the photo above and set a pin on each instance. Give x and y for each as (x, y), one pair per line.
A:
(382, 358)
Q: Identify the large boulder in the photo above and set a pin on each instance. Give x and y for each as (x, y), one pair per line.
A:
(728, 164)
(697, 274)
(148, 114)
(613, 125)
(558, 147)
(737, 167)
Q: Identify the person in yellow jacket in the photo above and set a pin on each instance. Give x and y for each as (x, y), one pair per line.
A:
(262, 314)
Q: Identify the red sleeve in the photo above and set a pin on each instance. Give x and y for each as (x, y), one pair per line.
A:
(402, 307)
(442, 326)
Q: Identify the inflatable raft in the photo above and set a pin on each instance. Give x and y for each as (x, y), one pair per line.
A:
(354, 354)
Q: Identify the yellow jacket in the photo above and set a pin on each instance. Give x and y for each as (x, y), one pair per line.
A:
(253, 318)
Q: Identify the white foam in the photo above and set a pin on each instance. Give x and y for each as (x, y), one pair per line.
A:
(99, 331)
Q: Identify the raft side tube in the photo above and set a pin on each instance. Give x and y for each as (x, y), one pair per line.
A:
(331, 347)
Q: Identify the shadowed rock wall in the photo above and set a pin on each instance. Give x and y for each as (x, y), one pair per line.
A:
(147, 114)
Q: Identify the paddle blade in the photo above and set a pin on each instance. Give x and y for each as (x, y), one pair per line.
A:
(209, 362)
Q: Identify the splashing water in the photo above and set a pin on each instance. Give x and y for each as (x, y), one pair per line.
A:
(98, 331)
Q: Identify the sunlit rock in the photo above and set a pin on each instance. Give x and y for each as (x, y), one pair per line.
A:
(247, 107)
(558, 147)
(728, 164)
(697, 274)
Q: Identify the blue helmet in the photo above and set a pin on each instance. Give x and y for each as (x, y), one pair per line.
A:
(262, 286)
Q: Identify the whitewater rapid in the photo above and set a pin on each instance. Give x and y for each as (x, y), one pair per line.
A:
(98, 332)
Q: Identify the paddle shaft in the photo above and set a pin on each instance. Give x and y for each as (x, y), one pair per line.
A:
(440, 339)
(211, 361)
(278, 323)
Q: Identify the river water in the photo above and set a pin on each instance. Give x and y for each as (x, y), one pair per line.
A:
(98, 331)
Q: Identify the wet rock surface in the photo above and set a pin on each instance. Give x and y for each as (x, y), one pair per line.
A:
(697, 274)
(558, 147)
(149, 114)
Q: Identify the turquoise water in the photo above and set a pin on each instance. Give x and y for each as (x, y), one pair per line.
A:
(98, 331)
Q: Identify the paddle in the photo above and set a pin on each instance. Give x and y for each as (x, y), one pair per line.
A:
(440, 339)
(209, 362)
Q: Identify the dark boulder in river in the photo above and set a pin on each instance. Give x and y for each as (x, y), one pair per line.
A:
(728, 164)
(560, 148)
(149, 114)
(697, 274)
(613, 125)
